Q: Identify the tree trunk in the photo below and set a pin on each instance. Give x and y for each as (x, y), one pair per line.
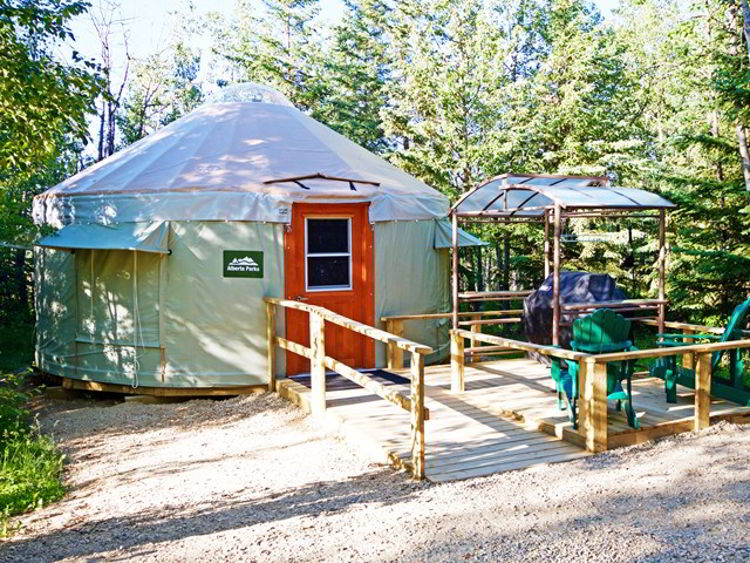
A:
(20, 271)
(102, 119)
(111, 129)
(734, 50)
(500, 266)
(744, 153)
(478, 269)
(715, 132)
(506, 261)
(746, 24)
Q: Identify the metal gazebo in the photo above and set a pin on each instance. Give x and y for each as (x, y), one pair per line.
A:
(550, 199)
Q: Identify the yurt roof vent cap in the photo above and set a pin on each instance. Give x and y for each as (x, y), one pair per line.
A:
(249, 92)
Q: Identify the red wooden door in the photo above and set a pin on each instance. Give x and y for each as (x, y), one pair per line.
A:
(328, 261)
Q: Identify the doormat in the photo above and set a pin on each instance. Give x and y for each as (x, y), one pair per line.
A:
(336, 382)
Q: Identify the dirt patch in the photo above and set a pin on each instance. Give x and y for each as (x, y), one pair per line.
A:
(252, 478)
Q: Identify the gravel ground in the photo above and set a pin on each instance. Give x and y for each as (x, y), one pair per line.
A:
(252, 479)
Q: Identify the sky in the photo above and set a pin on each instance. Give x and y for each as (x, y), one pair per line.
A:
(148, 21)
(149, 25)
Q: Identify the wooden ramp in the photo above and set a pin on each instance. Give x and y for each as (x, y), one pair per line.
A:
(507, 418)
(466, 435)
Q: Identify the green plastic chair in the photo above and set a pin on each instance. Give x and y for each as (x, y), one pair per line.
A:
(673, 374)
(601, 332)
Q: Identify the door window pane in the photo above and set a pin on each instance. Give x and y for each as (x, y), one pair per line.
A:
(328, 259)
(325, 236)
(328, 272)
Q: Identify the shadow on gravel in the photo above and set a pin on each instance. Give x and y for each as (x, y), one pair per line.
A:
(124, 418)
(315, 499)
(657, 524)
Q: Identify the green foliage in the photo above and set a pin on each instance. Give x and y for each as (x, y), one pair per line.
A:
(30, 464)
(14, 419)
(30, 476)
(275, 44)
(16, 342)
(454, 93)
(41, 99)
(164, 87)
(356, 70)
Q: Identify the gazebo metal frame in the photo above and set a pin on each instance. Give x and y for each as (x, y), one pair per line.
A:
(550, 199)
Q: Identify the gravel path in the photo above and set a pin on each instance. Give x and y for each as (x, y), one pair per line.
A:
(251, 478)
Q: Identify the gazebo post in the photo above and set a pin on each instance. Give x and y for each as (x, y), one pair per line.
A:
(556, 280)
(662, 266)
(546, 244)
(454, 260)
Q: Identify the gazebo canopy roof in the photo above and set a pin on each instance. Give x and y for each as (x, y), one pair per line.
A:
(529, 195)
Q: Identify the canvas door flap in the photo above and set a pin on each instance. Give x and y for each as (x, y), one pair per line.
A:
(118, 296)
(143, 237)
(444, 236)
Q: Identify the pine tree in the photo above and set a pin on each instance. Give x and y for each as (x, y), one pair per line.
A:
(447, 67)
(355, 73)
(693, 113)
(276, 45)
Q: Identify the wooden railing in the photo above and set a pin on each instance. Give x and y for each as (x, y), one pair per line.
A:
(319, 362)
(394, 324)
(688, 328)
(458, 352)
(619, 305)
(654, 309)
(494, 295)
(592, 414)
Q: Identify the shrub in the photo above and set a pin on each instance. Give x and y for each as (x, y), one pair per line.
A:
(30, 464)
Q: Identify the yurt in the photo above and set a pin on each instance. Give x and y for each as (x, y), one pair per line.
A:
(163, 252)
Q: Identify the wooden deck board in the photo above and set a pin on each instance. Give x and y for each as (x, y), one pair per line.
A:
(506, 419)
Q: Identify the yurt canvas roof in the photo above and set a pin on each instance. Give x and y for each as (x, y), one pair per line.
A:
(241, 161)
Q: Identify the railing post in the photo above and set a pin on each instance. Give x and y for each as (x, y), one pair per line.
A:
(583, 406)
(556, 278)
(703, 392)
(688, 360)
(662, 266)
(317, 364)
(271, 345)
(593, 414)
(457, 362)
(395, 354)
(546, 244)
(417, 415)
(472, 342)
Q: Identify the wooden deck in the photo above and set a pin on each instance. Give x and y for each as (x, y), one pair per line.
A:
(523, 390)
(506, 419)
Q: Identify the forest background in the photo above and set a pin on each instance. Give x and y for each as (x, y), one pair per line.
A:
(654, 96)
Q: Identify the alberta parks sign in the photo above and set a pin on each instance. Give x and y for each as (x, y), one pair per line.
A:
(243, 264)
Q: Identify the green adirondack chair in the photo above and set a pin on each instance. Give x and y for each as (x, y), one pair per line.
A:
(598, 333)
(673, 374)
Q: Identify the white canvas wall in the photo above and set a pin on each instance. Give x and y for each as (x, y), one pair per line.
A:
(412, 277)
(214, 327)
(188, 327)
(196, 328)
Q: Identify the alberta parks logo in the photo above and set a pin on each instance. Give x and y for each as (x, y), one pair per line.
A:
(243, 264)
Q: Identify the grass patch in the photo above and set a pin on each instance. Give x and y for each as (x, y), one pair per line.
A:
(30, 464)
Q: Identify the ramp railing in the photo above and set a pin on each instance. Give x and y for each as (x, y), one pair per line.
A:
(394, 324)
(320, 361)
